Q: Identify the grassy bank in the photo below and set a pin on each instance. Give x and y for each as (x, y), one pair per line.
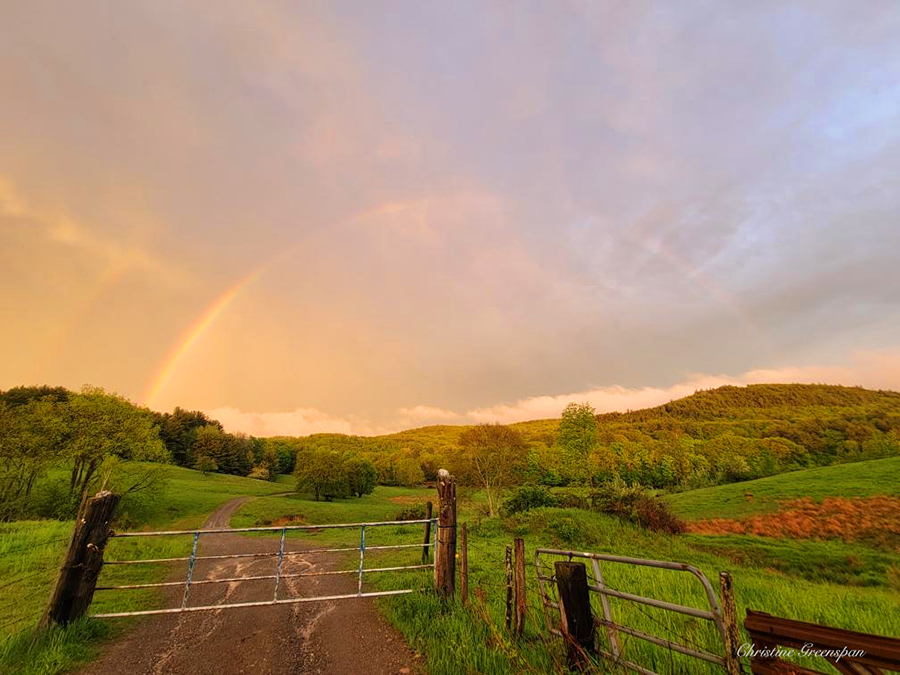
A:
(765, 495)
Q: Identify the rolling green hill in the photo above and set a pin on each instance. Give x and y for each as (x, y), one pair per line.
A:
(764, 495)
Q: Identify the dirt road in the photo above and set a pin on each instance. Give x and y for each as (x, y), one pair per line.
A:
(336, 637)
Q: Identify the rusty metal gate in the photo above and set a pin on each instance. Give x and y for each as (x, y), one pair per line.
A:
(279, 557)
(615, 653)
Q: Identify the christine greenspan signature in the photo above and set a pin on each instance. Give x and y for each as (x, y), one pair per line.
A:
(749, 649)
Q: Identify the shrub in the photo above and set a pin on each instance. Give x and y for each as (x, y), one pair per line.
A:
(528, 497)
(416, 512)
(633, 503)
(566, 529)
(571, 500)
(260, 472)
(654, 514)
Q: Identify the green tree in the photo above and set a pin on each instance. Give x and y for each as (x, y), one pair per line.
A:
(361, 476)
(323, 473)
(492, 453)
(205, 464)
(100, 426)
(577, 439)
(31, 435)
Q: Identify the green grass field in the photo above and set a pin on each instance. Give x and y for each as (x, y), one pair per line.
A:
(31, 551)
(826, 582)
(764, 495)
(821, 581)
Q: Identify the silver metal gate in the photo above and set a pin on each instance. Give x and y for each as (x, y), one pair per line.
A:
(277, 577)
(615, 654)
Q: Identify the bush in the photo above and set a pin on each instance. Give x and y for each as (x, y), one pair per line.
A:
(528, 497)
(416, 512)
(633, 503)
(260, 473)
(571, 500)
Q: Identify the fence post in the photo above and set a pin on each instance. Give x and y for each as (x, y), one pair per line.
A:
(519, 624)
(508, 561)
(575, 613)
(77, 578)
(464, 563)
(445, 556)
(729, 618)
(428, 508)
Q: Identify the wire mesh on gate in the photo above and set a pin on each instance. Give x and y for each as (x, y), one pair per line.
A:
(614, 631)
(280, 555)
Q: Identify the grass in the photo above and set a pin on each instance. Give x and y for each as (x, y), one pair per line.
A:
(764, 495)
(830, 582)
(31, 552)
(826, 582)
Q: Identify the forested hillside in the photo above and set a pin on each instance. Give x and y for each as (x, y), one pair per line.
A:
(712, 437)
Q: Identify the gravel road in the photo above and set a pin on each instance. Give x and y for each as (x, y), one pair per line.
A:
(329, 637)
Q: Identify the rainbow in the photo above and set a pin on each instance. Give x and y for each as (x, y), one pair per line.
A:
(190, 337)
(209, 315)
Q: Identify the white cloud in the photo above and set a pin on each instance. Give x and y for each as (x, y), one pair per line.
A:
(877, 369)
(299, 422)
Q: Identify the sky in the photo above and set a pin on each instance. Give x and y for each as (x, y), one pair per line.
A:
(363, 217)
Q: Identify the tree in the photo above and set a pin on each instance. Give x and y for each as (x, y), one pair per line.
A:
(100, 426)
(322, 472)
(493, 453)
(205, 464)
(577, 438)
(178, 430)
(361, 476)
(30, 441)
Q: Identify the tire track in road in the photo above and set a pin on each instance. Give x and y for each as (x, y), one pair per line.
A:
(325, 638)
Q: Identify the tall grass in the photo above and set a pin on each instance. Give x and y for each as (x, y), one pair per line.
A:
(472, 639)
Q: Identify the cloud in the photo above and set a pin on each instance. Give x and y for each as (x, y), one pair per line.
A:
(58, 227)
(875, 369)
(428, 412)
(299, 422)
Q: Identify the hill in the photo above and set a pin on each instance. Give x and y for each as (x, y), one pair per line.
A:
(766, 495)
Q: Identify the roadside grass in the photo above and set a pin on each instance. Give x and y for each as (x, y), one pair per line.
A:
(832, 583)
(31, 553)
(765, 495)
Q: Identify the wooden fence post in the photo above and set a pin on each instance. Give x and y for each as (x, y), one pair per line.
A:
(77, 579)
(732, 632)
(508, 560)
(445, 556)
(425, 554)
(575, 613)
(464, 563)
(519, 623)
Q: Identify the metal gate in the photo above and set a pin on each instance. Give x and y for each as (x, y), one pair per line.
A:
(615, 653)
(279, 557)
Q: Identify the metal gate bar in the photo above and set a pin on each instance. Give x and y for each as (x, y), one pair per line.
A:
(714, 614)
(264, 603)
(280, 555)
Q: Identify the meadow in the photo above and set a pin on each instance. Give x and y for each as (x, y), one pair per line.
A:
(828, 582)
(31, 552)
(849, 585)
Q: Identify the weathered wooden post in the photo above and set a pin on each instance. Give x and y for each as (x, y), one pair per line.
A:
(425, 554)
(77, 579)
(732, 632)
(575, 613)
(510, 594)
(519, 622)
(464, 563)
(445, 556)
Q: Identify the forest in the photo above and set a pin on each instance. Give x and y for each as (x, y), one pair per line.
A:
(55, 444)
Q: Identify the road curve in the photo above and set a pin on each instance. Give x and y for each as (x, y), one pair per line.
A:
(325, 638)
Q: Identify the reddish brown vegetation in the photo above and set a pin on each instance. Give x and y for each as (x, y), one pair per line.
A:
(872, 519)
